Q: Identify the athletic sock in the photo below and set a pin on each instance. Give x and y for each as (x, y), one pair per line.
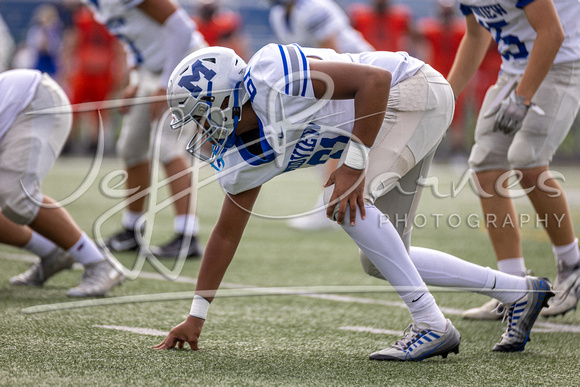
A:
(130, 218)
(186, 224)
(568, 255)
(39, 245)
(85, 251)
(513, 266)
(441, 269)
(381, 243)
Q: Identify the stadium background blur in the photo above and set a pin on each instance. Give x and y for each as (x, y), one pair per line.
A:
(255, 32)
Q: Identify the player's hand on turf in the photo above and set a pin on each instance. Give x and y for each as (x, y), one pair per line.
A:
(128, 93)
(186, 332)
(349, 187)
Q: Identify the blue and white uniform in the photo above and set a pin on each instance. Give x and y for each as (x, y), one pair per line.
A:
(558, 96)
(148, 43)
(154, 49)
(313, 21)
(32, 135)
(297, 130)
(514, 35)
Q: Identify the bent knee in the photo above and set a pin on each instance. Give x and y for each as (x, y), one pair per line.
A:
(132, 155)
(19, 207)
(368, 266)
(523, 156)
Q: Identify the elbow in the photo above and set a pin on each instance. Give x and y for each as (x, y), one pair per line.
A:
(381, 79)
(560, 36)
(557, 35)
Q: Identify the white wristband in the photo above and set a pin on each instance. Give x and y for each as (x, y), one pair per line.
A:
(357, 155)
(199, 307)
(133, 77)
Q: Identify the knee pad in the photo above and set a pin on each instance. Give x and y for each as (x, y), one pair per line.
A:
(368, 266)
(20, 208)
(131, 154)
(522, 155)
(483, 158)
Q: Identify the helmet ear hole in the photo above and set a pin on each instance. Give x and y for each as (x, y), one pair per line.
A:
(225, 103)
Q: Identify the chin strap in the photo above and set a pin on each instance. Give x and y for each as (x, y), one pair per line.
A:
(218, 164)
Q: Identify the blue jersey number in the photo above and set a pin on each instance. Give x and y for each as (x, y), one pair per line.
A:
(329, 151)
(509, 40)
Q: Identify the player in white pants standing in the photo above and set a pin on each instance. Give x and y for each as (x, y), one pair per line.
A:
(292, 107)
(523, 120)
(157, 34)
(30, 142)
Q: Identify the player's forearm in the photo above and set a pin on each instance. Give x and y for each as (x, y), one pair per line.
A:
(217, 257)
(470, 54)
(177, 30)
(370, 104)
(548, 40)
(224, 241)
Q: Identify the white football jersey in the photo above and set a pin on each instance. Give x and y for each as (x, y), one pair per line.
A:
(313, 21)
(507, 22)
(297, 130)
(142, 36)
(17, 89)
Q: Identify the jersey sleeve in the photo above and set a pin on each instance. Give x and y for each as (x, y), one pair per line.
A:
(278, 82)
(465, 9)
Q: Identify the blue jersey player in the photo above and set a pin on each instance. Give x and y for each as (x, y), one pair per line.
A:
(523, 120)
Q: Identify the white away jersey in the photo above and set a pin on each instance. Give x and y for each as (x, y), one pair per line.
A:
(296, 129)
(17, 89)
(143, 37)
(507, 22)
(313, 21)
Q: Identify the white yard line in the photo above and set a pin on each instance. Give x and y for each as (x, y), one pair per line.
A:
(140, 331)
(371, 330)
(238, 290)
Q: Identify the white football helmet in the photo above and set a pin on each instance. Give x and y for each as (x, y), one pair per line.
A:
(206, 87)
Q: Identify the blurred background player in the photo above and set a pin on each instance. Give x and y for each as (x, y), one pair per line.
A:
(440, 39)
(30, 142)
(157, 34)
(524, 118)
(42, 50)
(220, 27)
(323, 24)
(441, 36)
(94, 73)
(386, 26)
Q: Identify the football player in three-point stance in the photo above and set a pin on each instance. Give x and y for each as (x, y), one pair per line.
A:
(523, 120)
(383, 114)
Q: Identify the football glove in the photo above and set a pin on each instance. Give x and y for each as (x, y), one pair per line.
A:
(510, 113)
